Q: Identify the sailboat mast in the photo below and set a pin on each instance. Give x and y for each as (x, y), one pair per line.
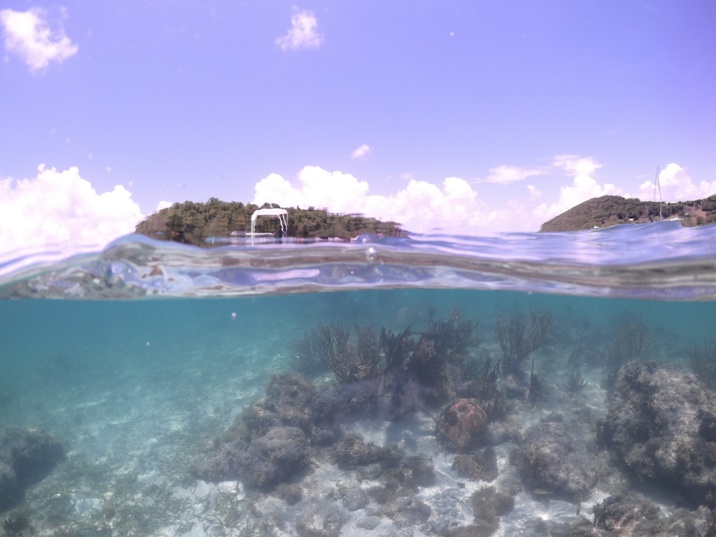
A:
(657, 185)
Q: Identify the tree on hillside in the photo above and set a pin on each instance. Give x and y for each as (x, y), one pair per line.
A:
(192, 222)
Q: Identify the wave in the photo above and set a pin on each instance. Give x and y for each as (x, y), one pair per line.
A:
(662, 261)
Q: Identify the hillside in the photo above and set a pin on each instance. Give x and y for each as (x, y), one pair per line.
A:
(611, 210)
(191, 222)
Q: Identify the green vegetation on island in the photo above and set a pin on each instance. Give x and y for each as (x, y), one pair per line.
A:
(612, 210)
(193, 223)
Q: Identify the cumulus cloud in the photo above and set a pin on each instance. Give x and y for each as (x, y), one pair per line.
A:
(575, 164)
(677, 185)
(29, 36)
(62, 208)
(583, 186)
(453, 205)
(338, 192)
(362, 151)
(506, 174)
(302, 34)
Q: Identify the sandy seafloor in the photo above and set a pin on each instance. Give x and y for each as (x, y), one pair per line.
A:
(137, 398)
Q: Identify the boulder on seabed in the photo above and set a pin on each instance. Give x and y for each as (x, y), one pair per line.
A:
(661, 424)
(556, 457)
(27, 456)
(274, 458)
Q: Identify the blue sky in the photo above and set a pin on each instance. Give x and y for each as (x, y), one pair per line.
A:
(475, 115)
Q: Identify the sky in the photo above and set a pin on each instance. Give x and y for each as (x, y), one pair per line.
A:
(466, 116)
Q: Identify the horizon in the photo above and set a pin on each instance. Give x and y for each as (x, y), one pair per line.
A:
(469, 117)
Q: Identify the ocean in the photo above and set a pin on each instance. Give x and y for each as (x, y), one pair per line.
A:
(306, 389)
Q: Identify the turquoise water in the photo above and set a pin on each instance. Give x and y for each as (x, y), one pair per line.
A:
(137, 371)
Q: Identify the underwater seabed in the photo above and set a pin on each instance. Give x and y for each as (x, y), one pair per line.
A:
(140, 392)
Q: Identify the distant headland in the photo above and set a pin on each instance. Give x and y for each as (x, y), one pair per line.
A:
(612, 210)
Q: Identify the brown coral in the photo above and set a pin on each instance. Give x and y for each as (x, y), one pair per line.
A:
(462, 424)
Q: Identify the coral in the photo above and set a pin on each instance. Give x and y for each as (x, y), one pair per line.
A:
(576, 382)
(435, 361)
(438, 360)
(353, 451)
(451, 336)
(661, 425)
(488, 390)
(402, 474)
(489, 504)
(477, 466)
(354, 399)
(413, 367)
(322, 520)
(397, 348)
(307, 354)
(401, 471)
(555, 458)
(630, 341)
(274, 458)
(410, 473)
(290, 401)
(350, 362)
(462, 424)
(625, 516)
(518, 339)
(703, 362)
(407, 510)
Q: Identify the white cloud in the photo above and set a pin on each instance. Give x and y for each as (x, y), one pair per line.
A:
(454, 205)
(339, 192)
(677, 185)
(576, 165)
(164, 205)
(302, 34)
(583, 186)
(505, 174)
(28, 35)
(420, 206)
(60, 207)
(536, 192)
(362, 151)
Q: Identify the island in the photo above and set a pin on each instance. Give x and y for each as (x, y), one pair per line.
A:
(217, 222)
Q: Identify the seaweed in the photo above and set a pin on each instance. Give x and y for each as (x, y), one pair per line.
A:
(350, 362)
(703, 362)
(438, 358)
(630, 340)
(307, 354)
(519, 338)
(412, 366)
(451, 336)
(576, 382)
(396, 348)
(489, 392)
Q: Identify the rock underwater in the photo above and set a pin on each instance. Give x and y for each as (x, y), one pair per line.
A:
(661, 424)
(26, 457)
